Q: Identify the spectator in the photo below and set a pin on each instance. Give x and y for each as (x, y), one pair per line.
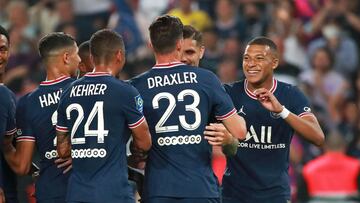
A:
(228, 71)
(343, 47)
(232, 49)
(290, 30)
(213, 51)
(49, 14)
(189, 16)
(227, 22)
(125, 23)
(333, 175)
(285, 71)
(255, 21)
(90, 16)
(18, 19)
(325, 87)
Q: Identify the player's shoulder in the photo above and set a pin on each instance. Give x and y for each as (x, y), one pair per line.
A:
(139, 78)
(286, 87)
(5, 91)
(23, 99)
(234, 85)
(6, 95)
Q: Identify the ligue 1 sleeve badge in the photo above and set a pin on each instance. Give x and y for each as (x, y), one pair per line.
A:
(139, 103)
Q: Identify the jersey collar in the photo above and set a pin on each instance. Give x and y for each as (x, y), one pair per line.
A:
(252, 95)
(97, 74)
(168, 65)
(53, 82)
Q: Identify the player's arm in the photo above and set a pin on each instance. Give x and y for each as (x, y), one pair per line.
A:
(218, 135)
(227, 134)
(306, 126)
(63, 145)
(19, 158)
(140, 145)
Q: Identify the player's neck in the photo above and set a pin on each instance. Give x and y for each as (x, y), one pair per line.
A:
(268, 84)
(167, 58)
(104, 69)
(53, 73)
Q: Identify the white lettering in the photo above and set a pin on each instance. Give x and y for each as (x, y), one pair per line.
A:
(151, 83)
(172, 79)
(88, 90)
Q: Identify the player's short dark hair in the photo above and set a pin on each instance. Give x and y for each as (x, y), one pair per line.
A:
(265, 42)
(104, 43)
(84, 48)
(164, 33)
(54, 42)
(190, 32)
(4, 32)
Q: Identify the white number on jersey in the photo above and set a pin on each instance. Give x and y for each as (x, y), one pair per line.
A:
(98, 110)
(160, 128)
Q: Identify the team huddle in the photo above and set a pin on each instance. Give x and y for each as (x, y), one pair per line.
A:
(170, 117)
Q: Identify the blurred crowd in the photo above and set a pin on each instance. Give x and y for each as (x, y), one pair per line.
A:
(319, 43)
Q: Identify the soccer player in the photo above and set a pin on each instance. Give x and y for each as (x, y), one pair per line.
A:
(178, 101)
(7, 123)
(96, 115)
(36, 118)
(273, 111)
(85, 65)
(193, 46)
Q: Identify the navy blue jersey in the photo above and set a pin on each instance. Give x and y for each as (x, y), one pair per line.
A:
(178, 101)
(36, 119)
(7, 127)
(259, 170)
(98, 111)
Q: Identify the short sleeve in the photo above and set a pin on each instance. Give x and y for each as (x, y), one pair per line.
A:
(133, 107)
(300, 105)
(24, 130)
(61, 124)
(222, 103)
(10, 124)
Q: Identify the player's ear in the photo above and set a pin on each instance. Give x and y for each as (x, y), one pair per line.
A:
(66, 57)
(150, 45)
(92, 59)
(202, 51)
(179, 44)
(120, 55)
(275, 63)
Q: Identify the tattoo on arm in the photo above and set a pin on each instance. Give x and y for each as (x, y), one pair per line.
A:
(231, 148)
(63, 144)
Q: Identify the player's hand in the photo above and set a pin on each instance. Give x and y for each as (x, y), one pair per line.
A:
(217, 135)
(268, 100)
(64, 163)
(134, 163)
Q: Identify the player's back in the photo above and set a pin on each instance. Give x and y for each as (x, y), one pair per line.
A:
(36, 118)
(178, 100)
(94, 111)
